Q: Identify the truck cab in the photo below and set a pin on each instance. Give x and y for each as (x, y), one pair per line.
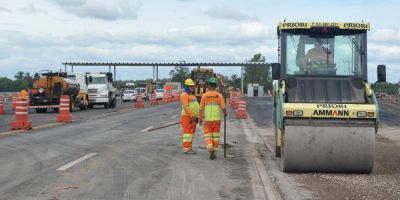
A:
(101, 89)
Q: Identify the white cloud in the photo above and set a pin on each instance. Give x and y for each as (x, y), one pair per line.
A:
(224, 12)
(4, 10)
(32, 9)
(386, 35)
(102, 9)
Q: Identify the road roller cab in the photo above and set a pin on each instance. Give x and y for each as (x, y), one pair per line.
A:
(325, 111)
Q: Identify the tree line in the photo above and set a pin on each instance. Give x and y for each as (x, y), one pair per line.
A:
(252, 74)
(21, 81)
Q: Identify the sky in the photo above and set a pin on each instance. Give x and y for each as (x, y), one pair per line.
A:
(41, 34)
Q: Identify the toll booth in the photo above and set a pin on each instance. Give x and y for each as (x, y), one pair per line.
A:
(255, 90)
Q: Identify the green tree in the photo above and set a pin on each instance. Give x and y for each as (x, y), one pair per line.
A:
(233, 81)
(6, 84)
(179, 74)
(388, 88)
(256, 74)
(19, 75)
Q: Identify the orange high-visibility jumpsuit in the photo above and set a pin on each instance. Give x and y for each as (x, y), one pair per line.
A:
(190, 109)
(211, 105)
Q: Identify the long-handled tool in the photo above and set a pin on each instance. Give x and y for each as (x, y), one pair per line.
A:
(224, 136)
(164, 126)
(225, 125)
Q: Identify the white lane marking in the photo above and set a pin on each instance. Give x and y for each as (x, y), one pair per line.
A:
(69, 165)
(172, 117)
(147, 129)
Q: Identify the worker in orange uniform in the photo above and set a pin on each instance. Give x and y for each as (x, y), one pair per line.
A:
(211, 104)
(189, 115)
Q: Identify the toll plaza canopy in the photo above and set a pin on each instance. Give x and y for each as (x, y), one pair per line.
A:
(196, 64)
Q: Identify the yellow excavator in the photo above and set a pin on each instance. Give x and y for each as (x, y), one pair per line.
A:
(325, 111)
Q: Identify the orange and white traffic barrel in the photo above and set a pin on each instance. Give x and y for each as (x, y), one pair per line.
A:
(21, 115)
(154, 101)
(2, 105)
(139, 101)
(64, 114)
(14, 103)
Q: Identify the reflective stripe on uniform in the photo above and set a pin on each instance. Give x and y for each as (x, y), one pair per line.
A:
(187, 137)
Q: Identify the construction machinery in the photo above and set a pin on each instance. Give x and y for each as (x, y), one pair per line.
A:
(200, 76)
(48, 87)
(325, 111)
(82, 96)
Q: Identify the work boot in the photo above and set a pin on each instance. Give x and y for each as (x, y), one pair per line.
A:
(190, 152)
(213, 155)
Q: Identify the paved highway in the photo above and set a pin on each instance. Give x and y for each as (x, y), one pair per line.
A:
(113, 157)
(110, 154)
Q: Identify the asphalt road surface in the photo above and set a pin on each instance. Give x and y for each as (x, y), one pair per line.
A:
(111, 154)
(114, 157)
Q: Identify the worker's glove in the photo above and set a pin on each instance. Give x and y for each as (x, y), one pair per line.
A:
(225, 112)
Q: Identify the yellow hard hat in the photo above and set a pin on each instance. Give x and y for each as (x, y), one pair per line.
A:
(22, 93)
(189, 82)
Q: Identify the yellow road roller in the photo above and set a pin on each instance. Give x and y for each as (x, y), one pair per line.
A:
(325, 111)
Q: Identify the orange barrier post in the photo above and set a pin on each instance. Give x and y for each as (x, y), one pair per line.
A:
(169, 97)
(21, 115)
(236, 99)
(241, 113)
(139, 101)
(14, 103)
(154, 101)
(165, 97)
(177, 96)
(64, 114)
(2, 105)
(231, 95)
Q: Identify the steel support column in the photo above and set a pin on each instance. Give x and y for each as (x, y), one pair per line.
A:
(115, 73)
(157, 73)
(241, 79)
(154, 73)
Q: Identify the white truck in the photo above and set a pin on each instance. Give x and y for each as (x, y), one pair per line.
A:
(101, 89)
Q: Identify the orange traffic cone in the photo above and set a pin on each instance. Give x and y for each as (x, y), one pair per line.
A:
(241, 113)
(154, 101)
(139, 101)
(2, 105)
(64, 114)
(14, 103)
(21, 115)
